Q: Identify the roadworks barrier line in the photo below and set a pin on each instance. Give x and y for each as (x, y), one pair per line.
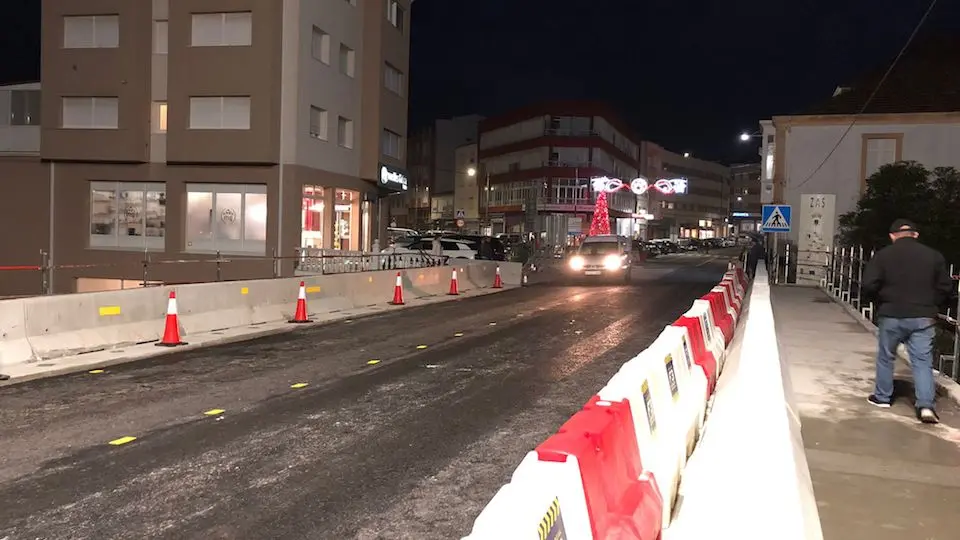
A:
(44, 327)
(614, 469)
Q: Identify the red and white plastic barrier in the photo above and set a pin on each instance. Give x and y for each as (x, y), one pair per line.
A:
(614, 469)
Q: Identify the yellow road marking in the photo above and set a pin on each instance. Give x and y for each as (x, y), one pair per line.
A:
(214, 412)
(107, 311)
(312, 290)
(122, 440)
(299, 385)
(458, 334)
(372, 362)
(95, 371)
(244, 290)
(421, 346)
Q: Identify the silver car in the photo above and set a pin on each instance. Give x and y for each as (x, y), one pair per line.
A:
(607, 256)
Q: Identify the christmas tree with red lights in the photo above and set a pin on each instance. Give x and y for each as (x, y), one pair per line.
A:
(601, 216)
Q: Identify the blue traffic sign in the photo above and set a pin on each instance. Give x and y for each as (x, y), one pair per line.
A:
(775, 218)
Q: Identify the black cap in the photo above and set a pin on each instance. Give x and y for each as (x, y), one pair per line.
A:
(903, 225)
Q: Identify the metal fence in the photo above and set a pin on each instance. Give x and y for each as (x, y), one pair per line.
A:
(329, 261)
(839, 272)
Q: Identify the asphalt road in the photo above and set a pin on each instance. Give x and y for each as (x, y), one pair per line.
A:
(412, 446)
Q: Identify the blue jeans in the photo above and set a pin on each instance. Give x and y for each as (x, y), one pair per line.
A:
(917, 334)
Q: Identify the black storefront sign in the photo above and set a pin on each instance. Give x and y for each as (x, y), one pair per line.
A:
(391, 179)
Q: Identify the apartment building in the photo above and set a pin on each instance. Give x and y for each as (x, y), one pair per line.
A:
(745, 206)
(536, 166)
(174, 130)
(702, 209)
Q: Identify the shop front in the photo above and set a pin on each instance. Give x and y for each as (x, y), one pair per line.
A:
(334, 218)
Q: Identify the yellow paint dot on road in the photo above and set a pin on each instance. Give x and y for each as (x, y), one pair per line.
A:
(299, 385)
(214, 412)
(372, 362)
(421, 347)
(122, 440)
(458, 334)
(95, 371)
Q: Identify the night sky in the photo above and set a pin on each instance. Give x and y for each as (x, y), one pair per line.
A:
(688, 74)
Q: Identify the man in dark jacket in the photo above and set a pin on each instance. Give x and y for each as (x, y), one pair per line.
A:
(909, 282)
(754, 254)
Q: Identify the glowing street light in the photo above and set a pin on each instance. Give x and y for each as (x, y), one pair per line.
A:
(745, 136)
(471, 172)
(686, 154)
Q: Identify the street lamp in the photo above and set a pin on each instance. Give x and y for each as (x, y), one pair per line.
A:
(745, 137)
(686, 154)
(471, 172)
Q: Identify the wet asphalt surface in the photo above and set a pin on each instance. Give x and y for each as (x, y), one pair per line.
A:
(410, 447)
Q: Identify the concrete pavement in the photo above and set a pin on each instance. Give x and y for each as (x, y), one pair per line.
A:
(877, 474)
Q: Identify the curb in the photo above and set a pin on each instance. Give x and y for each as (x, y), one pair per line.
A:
(359, 314)
(949, 387)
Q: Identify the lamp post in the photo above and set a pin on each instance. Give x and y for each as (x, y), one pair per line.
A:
(472, 172)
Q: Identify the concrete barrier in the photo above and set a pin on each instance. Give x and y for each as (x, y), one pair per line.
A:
(761, 489)
(46, 327)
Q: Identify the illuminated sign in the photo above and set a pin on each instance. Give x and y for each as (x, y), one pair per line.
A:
(392, 178)
(743, 214)
(640, 185)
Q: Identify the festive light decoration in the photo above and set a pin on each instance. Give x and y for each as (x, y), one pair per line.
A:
(601, 216)
(640, 185)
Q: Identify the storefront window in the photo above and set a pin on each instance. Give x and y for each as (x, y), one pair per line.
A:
(346, 220)
(231, 218)
(311, 229)
(127, 215)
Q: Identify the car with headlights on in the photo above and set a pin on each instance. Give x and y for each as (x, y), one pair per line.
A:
(604, 257)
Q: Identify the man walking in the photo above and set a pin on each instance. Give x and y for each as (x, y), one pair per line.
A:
(909, 282)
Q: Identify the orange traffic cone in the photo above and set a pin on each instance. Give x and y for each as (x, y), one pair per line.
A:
(171, 329)
(398, 291)
(454, 286)
(497, 281)
(301, 315)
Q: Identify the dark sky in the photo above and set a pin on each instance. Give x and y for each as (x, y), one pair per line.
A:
(688, 74)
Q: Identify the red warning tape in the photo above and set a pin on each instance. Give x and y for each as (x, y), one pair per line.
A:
(19, 267)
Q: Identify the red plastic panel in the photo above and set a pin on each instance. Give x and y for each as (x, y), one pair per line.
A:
(701, 355)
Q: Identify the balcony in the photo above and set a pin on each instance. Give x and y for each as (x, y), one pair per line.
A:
(19, 140)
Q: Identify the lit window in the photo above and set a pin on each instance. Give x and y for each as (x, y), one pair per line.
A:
(90, 113)
(230, 218)
(222, 29)
(220, 113)
(127, 215)
(160, 117)
(91, 32)
(24, 108)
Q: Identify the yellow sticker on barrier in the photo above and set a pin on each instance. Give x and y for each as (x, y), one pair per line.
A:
(244, 290)
(122, 440)
(420, 276)
(551, 525)
(313, 290)
(372, 362)
(299, 385)
(109, 311)
(214, 412)
(369, 280)
(421, 347)
(95, 371)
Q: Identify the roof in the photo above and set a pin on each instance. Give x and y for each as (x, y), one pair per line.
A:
(925, 80)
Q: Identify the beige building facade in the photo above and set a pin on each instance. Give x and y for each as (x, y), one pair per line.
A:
(174, 130)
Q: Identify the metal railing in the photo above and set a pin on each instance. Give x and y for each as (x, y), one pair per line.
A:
(839, 272)
(330, 261)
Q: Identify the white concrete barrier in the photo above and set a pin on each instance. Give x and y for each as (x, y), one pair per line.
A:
(711, 331)
(749, 476)
(53, 326)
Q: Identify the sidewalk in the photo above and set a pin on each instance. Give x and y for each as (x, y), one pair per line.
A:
(877, 474)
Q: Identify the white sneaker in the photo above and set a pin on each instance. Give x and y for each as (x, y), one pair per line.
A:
(928, 416)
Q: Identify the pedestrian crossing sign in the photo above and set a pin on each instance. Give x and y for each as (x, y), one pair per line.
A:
(775, 218)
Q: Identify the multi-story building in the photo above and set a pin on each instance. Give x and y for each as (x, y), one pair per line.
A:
(702, 210)
(745, 206)
(536, 166)
(172, 130)
(431, 161)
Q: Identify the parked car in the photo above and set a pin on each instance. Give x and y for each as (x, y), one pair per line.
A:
(454, 249)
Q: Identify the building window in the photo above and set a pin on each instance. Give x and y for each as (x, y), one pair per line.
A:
(393, 79)
(222, 29)
(395, 14)
(320, 46)
(127, 215)
(24, 107)
(220, 112)
(345, 132)
(318, 123)
(227, 217)
(90, 113)
(390, 144)
(91, 32)
(347, 60)
(160, 37)
(879, 150)
(159, 119)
